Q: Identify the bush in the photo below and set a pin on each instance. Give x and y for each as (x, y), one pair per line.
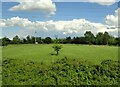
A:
(62, 72)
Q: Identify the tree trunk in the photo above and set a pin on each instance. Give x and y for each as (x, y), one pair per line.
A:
(57, 52)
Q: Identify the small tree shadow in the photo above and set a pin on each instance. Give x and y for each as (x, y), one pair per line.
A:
(53, 54)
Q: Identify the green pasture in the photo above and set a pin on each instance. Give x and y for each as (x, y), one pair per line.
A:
(42, 52)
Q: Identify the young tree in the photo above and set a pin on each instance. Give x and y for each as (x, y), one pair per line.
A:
(57, 48)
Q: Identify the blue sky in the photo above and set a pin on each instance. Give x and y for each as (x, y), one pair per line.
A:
(65, 11)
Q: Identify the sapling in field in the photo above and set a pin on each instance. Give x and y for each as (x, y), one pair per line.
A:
(57, 48)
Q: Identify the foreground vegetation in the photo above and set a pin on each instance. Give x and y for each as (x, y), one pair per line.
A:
(62, 72)
(31, 64)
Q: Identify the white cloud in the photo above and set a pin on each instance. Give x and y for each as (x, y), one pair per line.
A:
(103, 2)
(44, 6)
(75, 26)
(112, 20)
(100, 2)
(2, 23)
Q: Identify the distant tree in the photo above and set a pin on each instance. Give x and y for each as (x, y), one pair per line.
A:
(48, 40)
(28, 39)
(82, 40)
(0, 42)
(118, 41)
(16, 40)
(24, 41)
(75, 40)
(68, 40)
(57, 48)
(5, 41)
(106, 38)
(60, 41)
(39, 40)
(32, 39)
(56, 40)
(99, 38)
(89, 36)
(112, 41)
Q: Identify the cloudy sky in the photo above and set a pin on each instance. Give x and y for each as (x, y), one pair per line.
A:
(55, 17)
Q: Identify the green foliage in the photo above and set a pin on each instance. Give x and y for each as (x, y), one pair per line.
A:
(57, 48)
(5, 41)
(89, 38)
(62, 72)
(29, 39)
(106, 38)
(48, 40)
(99, 38)
(16, 40)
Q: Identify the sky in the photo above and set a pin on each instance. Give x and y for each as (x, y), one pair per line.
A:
(50, 18)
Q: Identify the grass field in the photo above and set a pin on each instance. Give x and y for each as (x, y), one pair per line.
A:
(42, 52)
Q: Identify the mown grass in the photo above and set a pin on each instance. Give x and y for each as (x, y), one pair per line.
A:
(42, 52)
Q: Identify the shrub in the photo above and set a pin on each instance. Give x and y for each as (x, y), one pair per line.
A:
(57, 48)
(61, 72)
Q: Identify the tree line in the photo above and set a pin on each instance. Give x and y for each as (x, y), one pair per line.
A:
(88, 38)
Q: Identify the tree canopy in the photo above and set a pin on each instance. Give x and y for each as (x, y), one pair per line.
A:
(89, 38)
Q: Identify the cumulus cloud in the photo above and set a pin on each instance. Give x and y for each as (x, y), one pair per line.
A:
(100, 2)
(103, 2)
(112, 20)
(44, 6)
(2, 23)
(74, 26)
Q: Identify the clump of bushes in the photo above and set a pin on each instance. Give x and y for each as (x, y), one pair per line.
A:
(62, 72)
